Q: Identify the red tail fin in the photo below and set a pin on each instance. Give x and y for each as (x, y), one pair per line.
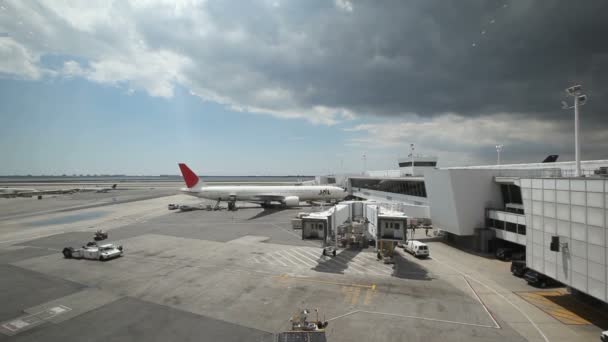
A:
(190, 177)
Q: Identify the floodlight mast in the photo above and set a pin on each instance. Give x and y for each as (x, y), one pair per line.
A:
(498, 150)
(579, 100)
(412, 154)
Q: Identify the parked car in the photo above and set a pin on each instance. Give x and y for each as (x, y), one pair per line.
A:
(538, 279)
(518, 256)
(604, 336)
(173, 206)
(518, 268)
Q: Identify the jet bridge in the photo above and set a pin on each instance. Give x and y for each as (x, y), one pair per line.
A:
(356, 223)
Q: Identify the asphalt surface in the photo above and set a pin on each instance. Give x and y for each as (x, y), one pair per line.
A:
(221, 276)
(13, 208)
(131, 319)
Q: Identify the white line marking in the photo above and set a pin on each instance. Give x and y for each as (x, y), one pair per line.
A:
(288, 252)
(21, 322)
(379, 269)
(500, 295)
(480, 302)
(295, 250)
(347, 262)
(287, 231)
(277, 259)
(348, 267)
(412, 317)
(309, 253)
(313, 250)
(353, 257)
(267, 260)
(288, 258)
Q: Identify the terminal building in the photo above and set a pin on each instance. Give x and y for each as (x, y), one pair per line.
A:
(560, 221)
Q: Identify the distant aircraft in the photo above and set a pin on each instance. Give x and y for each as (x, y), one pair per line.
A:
(28, 192)
(287, 196)
(96, 189)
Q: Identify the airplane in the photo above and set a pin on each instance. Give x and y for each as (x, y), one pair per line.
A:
(13, 192)
(28, 192)
(96, 189)
(286, 195)
(25, 192)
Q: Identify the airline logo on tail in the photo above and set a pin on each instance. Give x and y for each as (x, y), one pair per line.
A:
(190, 177)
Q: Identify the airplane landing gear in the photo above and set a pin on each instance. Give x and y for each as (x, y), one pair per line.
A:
(232, 206)
(217, 204)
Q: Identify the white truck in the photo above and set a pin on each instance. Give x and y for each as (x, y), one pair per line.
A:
(417, 248)
(94, 252)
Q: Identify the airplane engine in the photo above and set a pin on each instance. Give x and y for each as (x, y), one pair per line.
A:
(291, 201)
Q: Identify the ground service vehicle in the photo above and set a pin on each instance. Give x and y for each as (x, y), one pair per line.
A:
(93, 251)
(417, 248)
(100, 235)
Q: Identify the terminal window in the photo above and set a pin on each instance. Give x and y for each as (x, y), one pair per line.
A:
(403, 187)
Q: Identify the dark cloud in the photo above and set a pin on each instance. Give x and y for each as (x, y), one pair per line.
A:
(389, 57)
(425, 57)
(521, 63)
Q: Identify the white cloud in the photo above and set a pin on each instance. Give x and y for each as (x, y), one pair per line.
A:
(72, 69)
(458, 140)
(155, 45)
(452, 128)
(344, 5)
(17, 60)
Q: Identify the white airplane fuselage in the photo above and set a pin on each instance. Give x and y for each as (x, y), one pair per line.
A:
(258, 193)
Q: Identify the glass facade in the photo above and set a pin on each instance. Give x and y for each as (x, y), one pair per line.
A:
(511, 193)
(396, 186)
(418, 163)
(508, 226)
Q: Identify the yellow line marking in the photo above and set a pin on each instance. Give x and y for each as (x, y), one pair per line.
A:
(369, 293)
(542, 301)
(285, 277)
(348, 294)
(356, 293)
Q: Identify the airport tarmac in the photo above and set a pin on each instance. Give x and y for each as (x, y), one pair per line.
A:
(225, 276)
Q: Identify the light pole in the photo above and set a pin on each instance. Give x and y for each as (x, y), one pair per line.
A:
(364, 157)
(412, 155)
(498, 150)
(579, 100)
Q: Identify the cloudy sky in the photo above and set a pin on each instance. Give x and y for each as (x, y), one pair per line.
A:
(294, 87)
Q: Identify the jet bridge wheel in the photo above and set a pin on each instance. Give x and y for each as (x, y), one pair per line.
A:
(67, 252)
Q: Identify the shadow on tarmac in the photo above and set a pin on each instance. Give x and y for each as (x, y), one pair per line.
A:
(337, 264)
(265, 212)
(406, 269)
